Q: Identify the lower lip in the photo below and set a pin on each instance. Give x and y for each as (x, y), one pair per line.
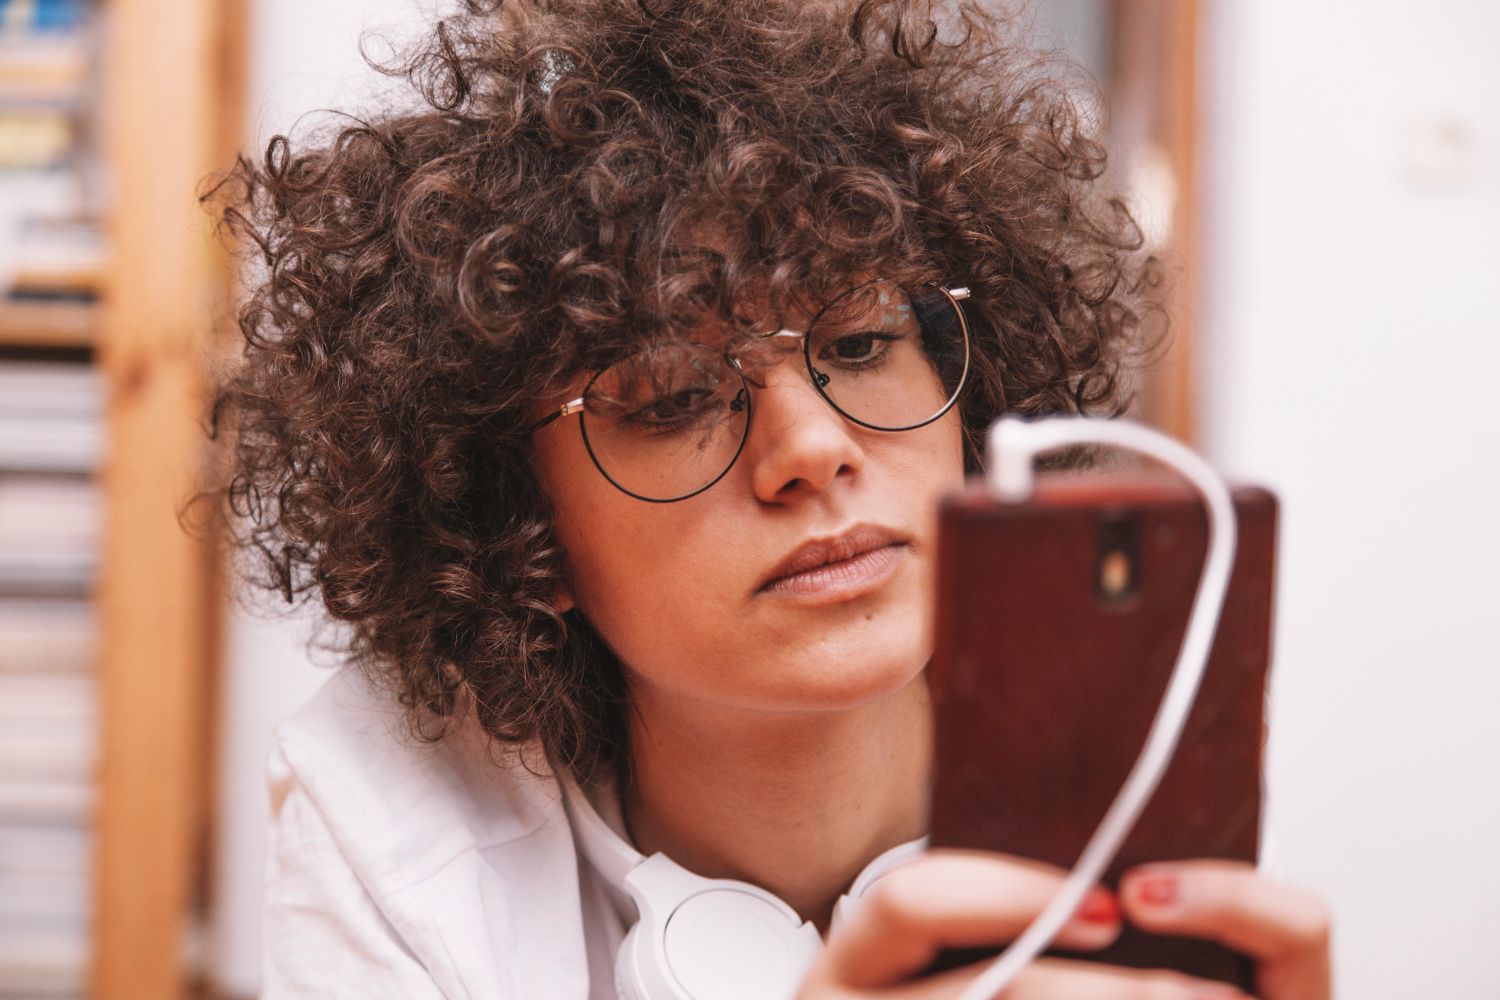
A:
(842, 580)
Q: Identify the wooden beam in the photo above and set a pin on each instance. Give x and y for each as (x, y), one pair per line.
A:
(1177, 128)
(161, 92)
(1154, 102)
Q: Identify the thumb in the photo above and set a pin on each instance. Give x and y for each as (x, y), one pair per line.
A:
(952, 899)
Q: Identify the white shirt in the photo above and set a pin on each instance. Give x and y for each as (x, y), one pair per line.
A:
(412, 870)
(408, 870)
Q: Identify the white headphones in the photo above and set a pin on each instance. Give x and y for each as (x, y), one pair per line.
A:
(699, 938)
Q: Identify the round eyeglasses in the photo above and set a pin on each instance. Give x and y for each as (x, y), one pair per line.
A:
(669, 421)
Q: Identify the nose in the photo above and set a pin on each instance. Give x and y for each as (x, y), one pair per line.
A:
(798, 444)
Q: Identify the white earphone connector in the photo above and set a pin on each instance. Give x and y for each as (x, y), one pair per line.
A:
(1012, 448)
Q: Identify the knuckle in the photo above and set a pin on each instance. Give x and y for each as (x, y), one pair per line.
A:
(905, 892)
(1303, 920)
(892, 900)
(1316, 924)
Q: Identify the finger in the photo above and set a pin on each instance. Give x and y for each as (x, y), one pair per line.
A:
(953, 899)
(1050, 979)
(939, 986)
(1229, 902)
(1047, 979)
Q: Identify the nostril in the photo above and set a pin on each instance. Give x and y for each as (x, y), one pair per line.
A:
(800, 482)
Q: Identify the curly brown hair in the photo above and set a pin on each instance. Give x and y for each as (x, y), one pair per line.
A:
(429, 274)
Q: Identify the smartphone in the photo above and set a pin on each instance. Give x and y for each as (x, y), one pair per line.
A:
(1058, 623)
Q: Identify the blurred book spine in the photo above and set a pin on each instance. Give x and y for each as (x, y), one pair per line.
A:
(49, 725)
(52, 437)
(52, 246)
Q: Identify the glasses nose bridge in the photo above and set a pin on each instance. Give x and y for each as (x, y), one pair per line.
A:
(811, 377)
(785, 336)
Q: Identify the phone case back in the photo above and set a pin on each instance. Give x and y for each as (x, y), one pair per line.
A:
(1059, 621)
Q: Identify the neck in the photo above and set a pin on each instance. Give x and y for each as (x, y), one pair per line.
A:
(797, 803)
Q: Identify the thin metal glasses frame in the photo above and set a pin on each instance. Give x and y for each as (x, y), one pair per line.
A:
(955, 295)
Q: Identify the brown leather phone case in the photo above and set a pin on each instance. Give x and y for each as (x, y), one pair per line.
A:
(1058, 623)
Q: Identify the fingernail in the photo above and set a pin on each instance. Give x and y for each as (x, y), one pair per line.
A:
(1157, 890)
(1100, 907)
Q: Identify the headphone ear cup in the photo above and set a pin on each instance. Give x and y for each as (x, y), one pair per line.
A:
(709, 939)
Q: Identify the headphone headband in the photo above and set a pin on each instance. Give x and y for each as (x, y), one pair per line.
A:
(610, 854)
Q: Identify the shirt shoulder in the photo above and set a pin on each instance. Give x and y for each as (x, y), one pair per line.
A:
(403, 805)
(431, 860)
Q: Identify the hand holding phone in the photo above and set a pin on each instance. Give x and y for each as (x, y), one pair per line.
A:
(946, 900)
(1059, 620)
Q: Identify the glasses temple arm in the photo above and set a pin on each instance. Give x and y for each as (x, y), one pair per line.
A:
(567, 409)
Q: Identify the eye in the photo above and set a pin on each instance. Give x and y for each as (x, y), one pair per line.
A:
(676, 410)
(676, 405)
(858, 350)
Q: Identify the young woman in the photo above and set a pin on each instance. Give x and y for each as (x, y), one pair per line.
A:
(605, 398)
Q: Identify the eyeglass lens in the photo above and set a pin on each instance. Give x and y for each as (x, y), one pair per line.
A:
(668, 421)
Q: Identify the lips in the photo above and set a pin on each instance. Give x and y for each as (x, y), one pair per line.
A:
(821, 552)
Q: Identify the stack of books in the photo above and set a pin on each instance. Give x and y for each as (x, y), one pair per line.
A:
(48, 739)
(50, 521)
(51, 443)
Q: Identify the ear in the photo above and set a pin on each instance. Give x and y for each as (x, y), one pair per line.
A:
(562, 598)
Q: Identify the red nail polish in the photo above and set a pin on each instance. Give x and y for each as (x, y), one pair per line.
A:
(1099, 907)
(1158, 890)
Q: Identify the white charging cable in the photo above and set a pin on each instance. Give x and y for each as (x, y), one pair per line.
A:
(1014, 445)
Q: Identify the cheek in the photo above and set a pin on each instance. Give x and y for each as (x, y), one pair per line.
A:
(643, 573)
(924, 463)
(660, 598)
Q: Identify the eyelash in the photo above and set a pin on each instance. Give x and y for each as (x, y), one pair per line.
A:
(867, 363)
(639, 420)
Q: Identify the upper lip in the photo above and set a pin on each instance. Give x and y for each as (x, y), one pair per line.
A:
(817, 552)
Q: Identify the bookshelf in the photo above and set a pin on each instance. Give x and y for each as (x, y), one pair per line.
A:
(112, 112)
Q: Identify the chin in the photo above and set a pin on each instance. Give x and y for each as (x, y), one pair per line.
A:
(865, 657)
(850, 675)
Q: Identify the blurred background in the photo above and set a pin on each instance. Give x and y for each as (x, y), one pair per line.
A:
(1326, 177)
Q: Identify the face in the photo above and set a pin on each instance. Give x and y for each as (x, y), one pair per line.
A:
(801, 580)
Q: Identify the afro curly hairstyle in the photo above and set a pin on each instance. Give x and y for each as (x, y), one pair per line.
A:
(423, 277)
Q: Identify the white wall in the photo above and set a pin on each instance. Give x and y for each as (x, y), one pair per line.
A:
(303, 56)
(1353, 260)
